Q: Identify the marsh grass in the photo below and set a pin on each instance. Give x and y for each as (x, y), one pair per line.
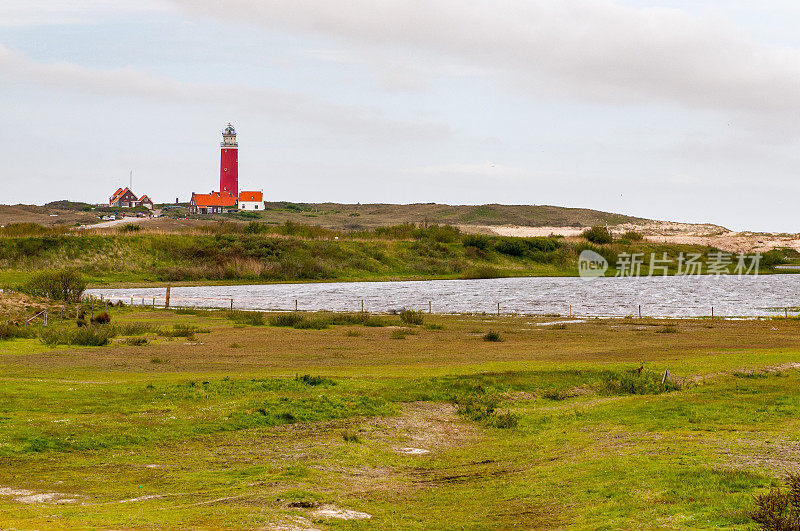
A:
(87, 336)
(412, 317)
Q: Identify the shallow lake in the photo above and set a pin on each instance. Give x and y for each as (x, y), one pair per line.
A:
(658, 296)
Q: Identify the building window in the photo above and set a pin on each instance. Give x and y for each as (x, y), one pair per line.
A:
(255, 207)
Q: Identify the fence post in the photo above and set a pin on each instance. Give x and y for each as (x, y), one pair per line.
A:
(430, 308)
(45, 317)
(640, 311)
(787, 312)
(712, 312)
(166, 304)
(362, 305)
(154, 303)
(498, 308)
(295, 305)
(231, 304)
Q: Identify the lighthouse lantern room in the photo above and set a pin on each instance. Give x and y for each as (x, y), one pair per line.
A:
(229, 162)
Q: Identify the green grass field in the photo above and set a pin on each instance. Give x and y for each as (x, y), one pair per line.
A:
(417, 426)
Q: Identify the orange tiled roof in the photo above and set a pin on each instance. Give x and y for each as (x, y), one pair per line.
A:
(119, 193)
(144, 199)
(219, 199)
(251, 196)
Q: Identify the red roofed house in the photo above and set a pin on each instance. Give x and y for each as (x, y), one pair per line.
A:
(145, 202)
(213, 203)
(251, 201)
(125, 198)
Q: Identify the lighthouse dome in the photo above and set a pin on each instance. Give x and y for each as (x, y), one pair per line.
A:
(229, 130)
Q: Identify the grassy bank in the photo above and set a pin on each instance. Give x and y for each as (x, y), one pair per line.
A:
(259, 422)
(259, 252)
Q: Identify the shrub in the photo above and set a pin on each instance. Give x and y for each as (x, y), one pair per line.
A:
(412, 317)
(632, 236)
(668, 329)
(352, 333)
(479, 241)
(129, 227)
(598, 234)
(101, 319)
(772, 258)
(779, 510)
(60, 285)
(12, 331)
(492, 336)
(314, 381)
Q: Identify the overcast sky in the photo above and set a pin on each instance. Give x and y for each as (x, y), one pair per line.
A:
(679, 110)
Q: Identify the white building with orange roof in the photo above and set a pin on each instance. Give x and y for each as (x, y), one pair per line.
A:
(251, 201)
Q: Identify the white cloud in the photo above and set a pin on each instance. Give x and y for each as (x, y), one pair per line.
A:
(52, 12)
(596, 48)
(126, 82)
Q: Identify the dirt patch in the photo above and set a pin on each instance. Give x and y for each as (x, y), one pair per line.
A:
(430, 426)
(332, 511)
(29, 496)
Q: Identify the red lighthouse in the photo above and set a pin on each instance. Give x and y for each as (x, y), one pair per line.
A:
(229, 162)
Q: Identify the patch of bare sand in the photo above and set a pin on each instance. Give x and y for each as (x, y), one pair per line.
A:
(29, 496)
(332, 511)
(427, 426)
(663, 232)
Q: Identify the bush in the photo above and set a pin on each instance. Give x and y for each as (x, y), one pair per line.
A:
(129, 227)
(412, 317)
(479, 241)
(598, 234)
(59, 285)
(101, 319)
(492, 336)
(632, 236)
(12, 331)
(314, 381)
(779, 510)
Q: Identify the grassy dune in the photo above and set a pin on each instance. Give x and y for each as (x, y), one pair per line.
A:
(259, 252)
(249, 426)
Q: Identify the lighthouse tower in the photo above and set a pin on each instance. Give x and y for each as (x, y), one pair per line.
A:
(229, 162)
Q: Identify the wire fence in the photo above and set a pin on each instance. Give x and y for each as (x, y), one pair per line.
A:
(437, 307)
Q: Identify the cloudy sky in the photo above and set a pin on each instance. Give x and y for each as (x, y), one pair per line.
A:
(680, 110)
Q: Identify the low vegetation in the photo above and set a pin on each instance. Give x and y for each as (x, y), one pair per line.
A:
(261, 252)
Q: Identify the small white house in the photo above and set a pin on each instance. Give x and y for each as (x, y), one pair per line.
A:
(251, 201)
